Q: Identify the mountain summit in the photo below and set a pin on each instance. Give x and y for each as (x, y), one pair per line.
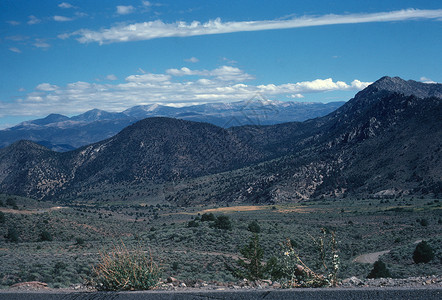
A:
(408, 88)
(387, 140)
(62, 133)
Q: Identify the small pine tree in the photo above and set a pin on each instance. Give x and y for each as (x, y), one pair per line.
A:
(2, 218)
(379, 270)
(423, 253)
(251, 268)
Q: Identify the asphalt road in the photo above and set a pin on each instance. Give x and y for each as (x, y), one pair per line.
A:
(304, 294)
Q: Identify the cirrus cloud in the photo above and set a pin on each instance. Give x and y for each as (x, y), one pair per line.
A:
(159, 29)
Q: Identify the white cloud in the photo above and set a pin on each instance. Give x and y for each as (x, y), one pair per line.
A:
(318, 85)
(13, 23)
(46, 87)
(227, 73)
(356, 84)
(65, 5)
(111, 77)
(148, 78)
(192, 60)
(33, 20)
(229, 61)
(41, 44)
(79, 86)
(62, 19)
(224, 73)
(170, 88)
(14, 49)
(146, 3)
(296, 96)
(426, 80)
(124, 10)
(17, 38)
(80, 14)
(159, 29)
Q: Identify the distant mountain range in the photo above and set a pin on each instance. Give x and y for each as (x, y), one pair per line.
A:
(61, 133)
(385, 142)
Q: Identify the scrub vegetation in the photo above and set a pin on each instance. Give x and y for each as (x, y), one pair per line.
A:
(63, 244)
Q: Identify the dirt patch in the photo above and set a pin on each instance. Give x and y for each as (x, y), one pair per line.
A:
(370, 258)
(30, 211)
(235, 209)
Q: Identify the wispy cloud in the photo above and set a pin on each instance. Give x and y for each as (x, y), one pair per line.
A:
(13, 23)
(125, 10)
(14, 49)
(62, 19)
(111, 77)
(224, 73)
(192, 60)
(17, 38)
(174, 87)
(46, 87)
(65, 5)
(159, 29)
(39, 43)
(33, 20)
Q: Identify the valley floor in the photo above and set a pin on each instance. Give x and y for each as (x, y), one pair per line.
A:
(193, 250)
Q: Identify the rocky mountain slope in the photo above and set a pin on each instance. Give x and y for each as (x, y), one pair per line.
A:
(382, 142)
(61, 133)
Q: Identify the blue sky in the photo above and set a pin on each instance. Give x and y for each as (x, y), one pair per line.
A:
(71, 56)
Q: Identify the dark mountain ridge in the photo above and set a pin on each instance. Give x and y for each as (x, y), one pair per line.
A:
(61, 133)
(380, 142)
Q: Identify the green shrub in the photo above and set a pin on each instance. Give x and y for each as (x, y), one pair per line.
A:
(274, 269)
(175, 265)
(79, 241)
(193, 223)
(254, 227)
(59, 267)
(423, 253)
(45, 236)
(12, 235)
(207, 217)
(2, 218)
(126, 270)
(379, 270)
(11, 202)
(223, 222)
(424, 222)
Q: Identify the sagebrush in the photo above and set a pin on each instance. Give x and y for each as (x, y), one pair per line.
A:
(123, 269)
